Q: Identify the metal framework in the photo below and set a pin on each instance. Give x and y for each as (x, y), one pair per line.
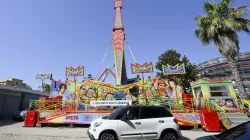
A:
(118, 38)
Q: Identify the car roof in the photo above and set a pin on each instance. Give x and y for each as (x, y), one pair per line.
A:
(145, 106)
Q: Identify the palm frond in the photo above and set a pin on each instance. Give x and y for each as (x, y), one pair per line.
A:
(224, 4)
(236, 13)
(220, 25)
(242, 24)
(203, 36)
(209, 8)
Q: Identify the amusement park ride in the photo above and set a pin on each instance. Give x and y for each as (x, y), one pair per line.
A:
(213, 104)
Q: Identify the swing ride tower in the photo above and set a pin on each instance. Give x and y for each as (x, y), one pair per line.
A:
(118, 39)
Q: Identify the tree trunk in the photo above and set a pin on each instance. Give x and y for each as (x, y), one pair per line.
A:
(236, 76)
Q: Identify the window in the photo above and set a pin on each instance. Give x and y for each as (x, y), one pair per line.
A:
(155, 113)
(198, 92)
(133, 113)
(117, 114)
(219, 91)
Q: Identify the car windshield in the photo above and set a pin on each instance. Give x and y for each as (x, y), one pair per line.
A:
(116, 114)
(241, 132)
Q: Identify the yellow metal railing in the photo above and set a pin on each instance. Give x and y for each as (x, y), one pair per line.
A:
(244, 106)
(221, 113)
(178, 105)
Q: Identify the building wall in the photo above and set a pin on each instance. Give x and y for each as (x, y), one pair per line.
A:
(14, 82)
(15, 99)
(10, 102)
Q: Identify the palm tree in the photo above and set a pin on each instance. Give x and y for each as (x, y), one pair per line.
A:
(220, 26)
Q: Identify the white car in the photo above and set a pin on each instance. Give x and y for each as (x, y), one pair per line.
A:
(136, 123)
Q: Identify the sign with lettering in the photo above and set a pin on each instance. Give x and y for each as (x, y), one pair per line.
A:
(111, 103)
(70, 71)
(78, 118)
(177, 69)
(145, 68)
(43, 76)
(75, 118)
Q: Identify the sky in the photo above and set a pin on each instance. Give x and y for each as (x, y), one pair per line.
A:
(48, 35)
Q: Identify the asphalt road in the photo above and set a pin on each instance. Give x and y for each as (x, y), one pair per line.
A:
(10, 130)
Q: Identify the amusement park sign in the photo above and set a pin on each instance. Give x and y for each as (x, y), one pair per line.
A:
(145, 68)
(178, 69)
(43, 76)
(79, 71)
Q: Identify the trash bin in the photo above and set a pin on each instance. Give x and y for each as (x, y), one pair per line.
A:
(31, 119)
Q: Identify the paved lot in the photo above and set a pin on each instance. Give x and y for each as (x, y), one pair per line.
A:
(10, 130)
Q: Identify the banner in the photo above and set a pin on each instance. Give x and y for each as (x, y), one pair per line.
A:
(43, 76)
(70, 71)
(79, 118)
(178, 69)
(145, 68)
(54, 88)
(111, 103)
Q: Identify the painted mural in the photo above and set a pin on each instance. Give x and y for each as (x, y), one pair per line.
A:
(156, 90)
(227, 104)
(185, 119)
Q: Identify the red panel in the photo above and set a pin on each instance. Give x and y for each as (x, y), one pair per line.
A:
(31, 119)
(187, 103)
(210, 122)
(187, 96)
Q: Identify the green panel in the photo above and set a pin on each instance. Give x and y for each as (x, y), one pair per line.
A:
(205, 87)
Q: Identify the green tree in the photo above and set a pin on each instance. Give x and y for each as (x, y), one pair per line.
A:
(172, 57)
(90, 77)
(220, 25)
(46, 88)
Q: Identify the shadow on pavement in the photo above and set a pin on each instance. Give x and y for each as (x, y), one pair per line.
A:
(184, 138)
(5, 122)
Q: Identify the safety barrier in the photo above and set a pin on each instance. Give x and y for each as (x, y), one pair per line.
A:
(178, 105)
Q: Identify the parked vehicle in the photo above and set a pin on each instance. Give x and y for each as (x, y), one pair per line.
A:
(240, 132)
(136, 122)
(20, 115)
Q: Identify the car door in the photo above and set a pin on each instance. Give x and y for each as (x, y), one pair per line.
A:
(152, 120)
(130, 128)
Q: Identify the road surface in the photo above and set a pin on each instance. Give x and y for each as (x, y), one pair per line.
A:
(10, 130)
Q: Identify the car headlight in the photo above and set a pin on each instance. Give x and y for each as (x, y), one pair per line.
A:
(97, 124)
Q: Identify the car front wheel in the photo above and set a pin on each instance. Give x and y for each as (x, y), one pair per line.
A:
(108, 136)
(169, 136)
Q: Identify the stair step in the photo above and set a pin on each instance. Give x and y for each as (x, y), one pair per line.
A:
(235, 123)
(237, 115)
(238, 119)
